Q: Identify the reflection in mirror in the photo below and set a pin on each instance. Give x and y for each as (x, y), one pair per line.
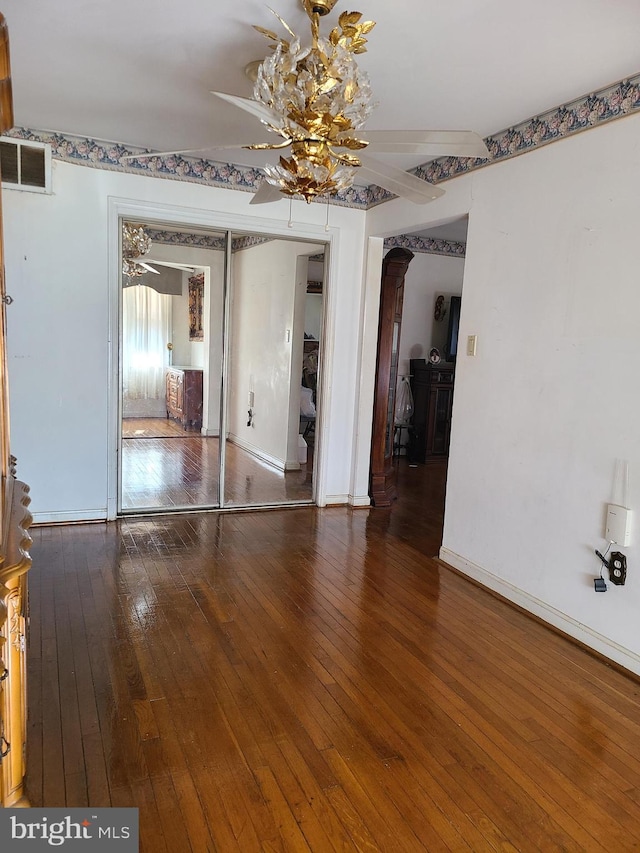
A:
(170, 368)
(274, 363)
(391, 401)
(173, 357)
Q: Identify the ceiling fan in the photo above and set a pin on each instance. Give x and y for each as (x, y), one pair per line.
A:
(317, 100)
(136, 244)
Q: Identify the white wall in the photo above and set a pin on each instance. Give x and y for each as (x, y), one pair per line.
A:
(57, 262)
(186, 352)
(549, 404)
(313, 309)
(316, 269)
(181, 354)
(266, 356)
(314, 306)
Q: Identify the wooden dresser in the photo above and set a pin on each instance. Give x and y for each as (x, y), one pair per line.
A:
(184, 395)
(15, 541)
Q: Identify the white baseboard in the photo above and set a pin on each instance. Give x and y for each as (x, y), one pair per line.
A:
(210, 433)
(604, 646)
(256, 451)
(335, 500)
(69, 517)
(292, 466)
(359, 501)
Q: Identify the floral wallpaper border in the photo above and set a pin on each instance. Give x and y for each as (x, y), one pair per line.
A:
(585, 113)
(600, 107)
(239, 243)
(166, 237)
(99, 154)
(427, 245)
(180, 238)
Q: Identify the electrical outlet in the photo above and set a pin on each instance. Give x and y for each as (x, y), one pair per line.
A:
(618, 568)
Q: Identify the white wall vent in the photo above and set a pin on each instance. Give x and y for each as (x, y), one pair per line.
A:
(25, 165)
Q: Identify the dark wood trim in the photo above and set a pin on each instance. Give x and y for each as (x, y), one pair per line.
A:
(382, 477)
(6, 94)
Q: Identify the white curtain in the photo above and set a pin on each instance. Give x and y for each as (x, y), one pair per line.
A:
(146, 330)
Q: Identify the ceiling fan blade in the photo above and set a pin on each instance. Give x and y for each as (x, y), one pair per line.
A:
(174, 266)
(460, 143)
(257, 109)
(162, 153)
(234, 146)
(266, 193)
(147, 267)
(400, 183)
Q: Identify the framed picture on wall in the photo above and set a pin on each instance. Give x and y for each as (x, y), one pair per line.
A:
(196, 305)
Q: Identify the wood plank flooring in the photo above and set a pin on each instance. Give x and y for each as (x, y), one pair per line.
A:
(165, 466)
(310, 679)
(156, 428)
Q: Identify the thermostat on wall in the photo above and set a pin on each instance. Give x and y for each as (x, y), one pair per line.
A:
(618, 525)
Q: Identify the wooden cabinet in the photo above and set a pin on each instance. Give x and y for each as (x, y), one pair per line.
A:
(14, 544)
(184, 395)
(432, 388)
(14, 565)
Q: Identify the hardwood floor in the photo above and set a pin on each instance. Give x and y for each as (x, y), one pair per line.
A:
(156, 428)
(310, 679)
(165, 466)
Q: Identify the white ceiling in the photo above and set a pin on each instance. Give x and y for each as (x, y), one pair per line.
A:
(140, 72)
(455, 230)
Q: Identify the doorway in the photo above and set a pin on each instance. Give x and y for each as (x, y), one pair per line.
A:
(433, 288)
(216, 359)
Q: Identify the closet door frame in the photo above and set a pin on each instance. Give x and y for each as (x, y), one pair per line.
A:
(164, 216)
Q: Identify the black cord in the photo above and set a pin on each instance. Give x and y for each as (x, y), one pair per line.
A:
(603, 557)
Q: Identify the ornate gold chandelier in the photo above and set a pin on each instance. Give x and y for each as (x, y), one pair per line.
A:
(316, 99)
(321, 98)
(136, 243)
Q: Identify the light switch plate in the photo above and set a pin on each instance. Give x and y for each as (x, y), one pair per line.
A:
(472, 341)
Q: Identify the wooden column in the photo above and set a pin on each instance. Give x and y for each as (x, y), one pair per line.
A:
(394, 268)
